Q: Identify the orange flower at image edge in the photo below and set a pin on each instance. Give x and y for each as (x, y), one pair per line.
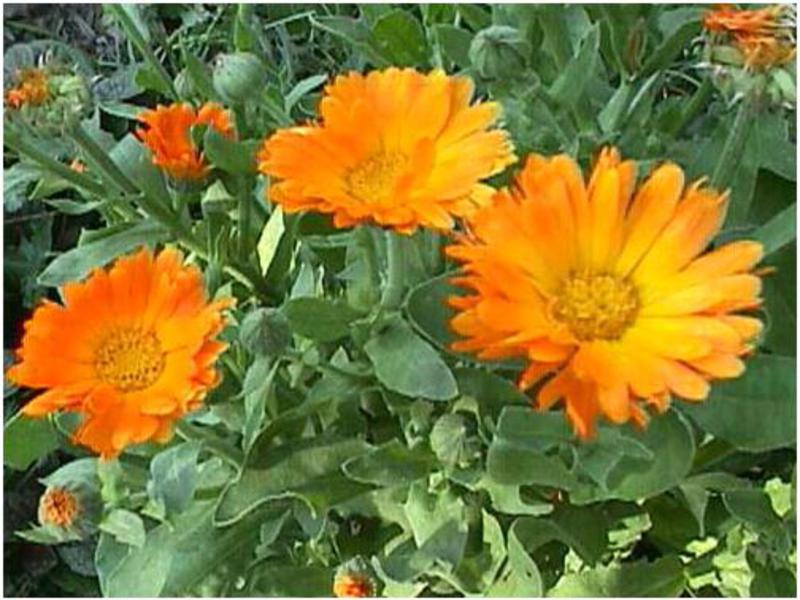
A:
(764, 36)
(32, 89)
(390, 150)
(131, 350)
(604, 289)
(168, 136)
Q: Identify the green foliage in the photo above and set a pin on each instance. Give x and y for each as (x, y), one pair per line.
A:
(345, 429)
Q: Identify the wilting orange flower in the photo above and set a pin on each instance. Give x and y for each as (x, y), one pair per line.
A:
(132, 349)
(763, 36)
(168, 136)
(32, 89)
(353, 585)
(605, 289)
(395, 147)
(58, 506)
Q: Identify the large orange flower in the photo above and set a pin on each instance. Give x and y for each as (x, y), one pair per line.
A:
(605, 290)
(132, 349)
(168, 135)
(395, 147)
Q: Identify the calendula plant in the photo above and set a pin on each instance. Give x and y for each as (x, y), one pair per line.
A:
(430, 300)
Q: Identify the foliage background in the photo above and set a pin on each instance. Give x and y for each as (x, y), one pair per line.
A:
(340, 432)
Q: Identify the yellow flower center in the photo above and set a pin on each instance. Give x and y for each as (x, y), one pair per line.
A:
(374, 178)
(596, 306)
(129, 359)
(58, 506)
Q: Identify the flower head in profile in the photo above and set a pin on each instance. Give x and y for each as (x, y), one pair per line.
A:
(396, 147)
(31, 89)
(131, 350)
(763, 36)
(58, 506)
(605, 289)
(168, 136)
(354, 580)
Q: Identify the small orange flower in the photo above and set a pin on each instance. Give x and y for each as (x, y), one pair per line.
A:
(390, 149)
(353, 585)
(607, 290)
(58, 506)
(132, 350)
(168, 136)
(77, 166)
(32, 89)
(763, 36)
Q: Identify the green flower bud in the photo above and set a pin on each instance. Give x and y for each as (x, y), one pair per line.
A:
(499, 52)
(238, 77)
(184, 86)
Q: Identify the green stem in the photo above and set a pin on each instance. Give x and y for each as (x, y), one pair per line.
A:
(734, 146)
(245, 203)
(141, 44)
(21, 146)
(693, 107)
(393, 293)
(101, 161)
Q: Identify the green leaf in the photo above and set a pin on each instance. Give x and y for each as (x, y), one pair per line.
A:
(391, 464)
(291, 582)
(406, 364)
(663, 577)
(121, 109)
(454, 43)
(778, 231)
(302, 88)
(755, 412)
(200, 75)
(583, 529)
(306, 468)
(235, 157)
(75, 264)
(772, 583)
(399, 37)
(135, 161)
(270, 239)
(568, 89)
(319, 319)
(512, 464)
(665, 53)
(26, 440)
(127, 527)
(522, 579)
(448, 438)
(173, 477)
(438, 525)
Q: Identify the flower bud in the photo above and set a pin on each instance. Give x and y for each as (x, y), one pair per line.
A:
(354, 580)
(238, 76)
(499, 52)
(184, 86)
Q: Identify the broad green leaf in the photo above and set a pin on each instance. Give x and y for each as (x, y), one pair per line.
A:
(568, 89)
(26, 440)
(454, 43)
(405, 363)
(778, 231)
(319, 319)
(448, 438)
(399, 37)
(511, 464)
(265, 332)
(663, 577)
(121, 109)
(755, 412)
(522, 578)
(665, 53)
(390, 464)
(302, 88)
(75, 264)
(235, 157)
(772, 583)
(438, 525)
(173, 478)
(308, 469)
(583, 529)
(291, 582)
(136, 162)
(270, 239)
(476, 571)
(126, 526)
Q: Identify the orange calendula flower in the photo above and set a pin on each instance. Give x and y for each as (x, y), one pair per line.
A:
(132, 350)
(763, 36)
(353, 585)
(605, 288)
(168, 136)
(58, 506)
(390, 149)
(31, 89)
